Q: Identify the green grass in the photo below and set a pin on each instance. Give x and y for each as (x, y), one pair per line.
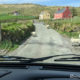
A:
(32, 9)
(69, 34)
(6, 17)
(15, 46)
(74, 20)
(14, 33)
(4, 44)
(69, 27)
(8, 45)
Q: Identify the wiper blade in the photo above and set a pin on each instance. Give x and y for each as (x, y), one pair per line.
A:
(14, 58)
(46, 58)
(23, 59)
(68, 59)
(17, 57)
(30, 60)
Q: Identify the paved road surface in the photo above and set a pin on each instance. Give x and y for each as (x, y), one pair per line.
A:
(48, 42)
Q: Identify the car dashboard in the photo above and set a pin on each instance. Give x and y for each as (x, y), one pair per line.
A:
(39, 72)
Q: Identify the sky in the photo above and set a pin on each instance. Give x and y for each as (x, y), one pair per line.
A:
(75, 3)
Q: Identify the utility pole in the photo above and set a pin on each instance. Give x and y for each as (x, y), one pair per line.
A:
(0, 33)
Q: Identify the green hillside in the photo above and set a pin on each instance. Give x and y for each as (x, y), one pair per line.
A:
(32, 9)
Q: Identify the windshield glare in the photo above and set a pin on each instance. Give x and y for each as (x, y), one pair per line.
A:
(42, 31)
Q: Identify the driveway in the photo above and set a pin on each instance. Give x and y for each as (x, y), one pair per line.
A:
(47, 43)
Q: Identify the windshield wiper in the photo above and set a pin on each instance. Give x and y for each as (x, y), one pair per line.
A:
(12, 58)
(23, 59)
(46, 58)
(68, 59)
(31, 60)
(16, 57)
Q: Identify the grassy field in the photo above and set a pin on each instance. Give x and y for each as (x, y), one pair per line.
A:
(30, 9)
(8, 18)
(33, 9)
(74, 20)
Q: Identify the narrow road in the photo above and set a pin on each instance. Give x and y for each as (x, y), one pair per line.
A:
(47, 43)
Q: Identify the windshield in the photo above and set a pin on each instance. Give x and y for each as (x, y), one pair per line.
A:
(42, 31)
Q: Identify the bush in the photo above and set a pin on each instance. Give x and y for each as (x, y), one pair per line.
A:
(17, 32)
(66, 26)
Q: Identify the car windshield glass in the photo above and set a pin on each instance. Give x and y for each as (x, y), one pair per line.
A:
(41, 31)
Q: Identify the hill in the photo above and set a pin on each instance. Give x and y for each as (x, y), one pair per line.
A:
(26, 9)
(32, 9)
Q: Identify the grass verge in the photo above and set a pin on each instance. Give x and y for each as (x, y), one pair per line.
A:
(14, 33)
(69, 27)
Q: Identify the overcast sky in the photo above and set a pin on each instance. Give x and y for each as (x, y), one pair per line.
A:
(44, 2)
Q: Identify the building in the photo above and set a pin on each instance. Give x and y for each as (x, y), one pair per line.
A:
(15, 13)
(63, 13)
(44, 15)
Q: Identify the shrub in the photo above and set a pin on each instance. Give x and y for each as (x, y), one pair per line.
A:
(17, 32)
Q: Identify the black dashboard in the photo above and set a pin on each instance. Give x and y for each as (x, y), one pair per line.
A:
(39, 72)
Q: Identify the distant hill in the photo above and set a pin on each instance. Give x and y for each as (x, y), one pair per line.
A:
(31, 9)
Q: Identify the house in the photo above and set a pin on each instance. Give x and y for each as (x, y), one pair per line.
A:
(63, 13)
(15, 13)
(44, 15)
